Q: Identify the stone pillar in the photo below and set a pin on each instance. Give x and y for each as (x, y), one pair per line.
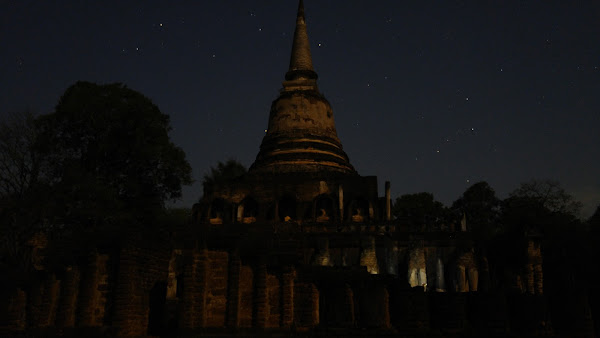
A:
(460, 279)
(349, 304)
(530, 279)
(386, 308)
(306, 305)
(315, 305)
(388, 201)
(287, 295)
(473, 278)
(485, 283)
(34, 304)
(240, 213)
(92, 298)
(16, 310)
(131, 301)
(392, 257)
(69, 297)
(194, 294)
(233, 292)
(440, 284)
(49, 305)
(341, 202)
(260, 314)
(539, 279)
(368, 255)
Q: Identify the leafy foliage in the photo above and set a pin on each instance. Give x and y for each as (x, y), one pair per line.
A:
(224, 172)
(420, 209)
(18, 161)
(549, 195)
(481, 207)
(108, 154)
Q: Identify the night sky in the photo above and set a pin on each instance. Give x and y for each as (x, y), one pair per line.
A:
(432, 95)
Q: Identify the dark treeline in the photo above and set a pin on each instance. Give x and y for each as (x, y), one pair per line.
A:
(541, 209)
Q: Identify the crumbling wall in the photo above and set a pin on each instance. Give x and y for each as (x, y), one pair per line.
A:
(94, 290)
(69, 297)
(246, 296)
(273, 301)
(216, 288)
(306, 312)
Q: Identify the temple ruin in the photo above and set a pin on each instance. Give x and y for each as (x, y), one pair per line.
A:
(300, 245)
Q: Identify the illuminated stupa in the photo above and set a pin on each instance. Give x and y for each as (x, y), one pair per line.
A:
(301, 135)
(301, 173)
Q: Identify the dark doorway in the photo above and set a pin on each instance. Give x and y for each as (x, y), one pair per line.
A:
(156, 316)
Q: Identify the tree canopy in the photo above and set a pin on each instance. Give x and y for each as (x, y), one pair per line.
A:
(18, 161)
(480, 206)
(223, 172)
(104, 154)
(420, 209)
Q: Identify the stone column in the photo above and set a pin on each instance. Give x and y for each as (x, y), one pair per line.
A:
(16, 311)
(388, 201)
(287, 295)
(440, 284)
(259, 315)
(131, 301)
(49, 305)
(68, 300)
(368, 255)
(194, 294)
(315, 305)
(460, 279)
(539, 279)
(530, 279)
(341, 202)
(92, 299)
(473, 278)
(349, 305)
(233, 292)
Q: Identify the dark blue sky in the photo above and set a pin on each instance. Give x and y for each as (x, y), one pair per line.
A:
(433, 95)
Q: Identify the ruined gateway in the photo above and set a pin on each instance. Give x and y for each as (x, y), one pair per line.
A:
(300, 245)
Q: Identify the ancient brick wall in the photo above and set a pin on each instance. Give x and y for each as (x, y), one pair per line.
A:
(273, 301)
(14, 312)
(216, 288)
(246, 296)
(69, 297)
(194, 295)
(94, 289)
(306, 311)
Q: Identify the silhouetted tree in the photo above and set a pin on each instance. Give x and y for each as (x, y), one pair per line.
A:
(108, 156)
(420, 209)
(20, 197)
(19, 165)
(480, 206)
(224, 172)
(548, 194)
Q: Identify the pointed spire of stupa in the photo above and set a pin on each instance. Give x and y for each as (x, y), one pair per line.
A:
(301, 135)
(301, 60)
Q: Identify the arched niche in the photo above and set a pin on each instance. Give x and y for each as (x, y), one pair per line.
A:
(287, 208)
(358, 210)
(324, 209)
(218, 211)
(248, 210)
